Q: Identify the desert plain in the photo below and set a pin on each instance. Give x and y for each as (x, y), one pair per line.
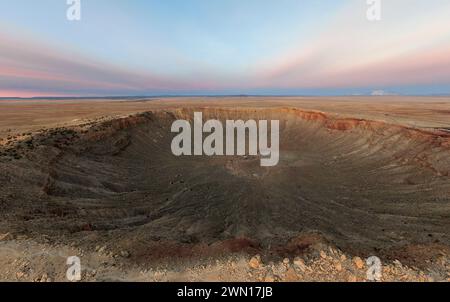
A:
(95, 178)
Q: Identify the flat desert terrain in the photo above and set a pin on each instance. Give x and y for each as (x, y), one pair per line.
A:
(358, 177)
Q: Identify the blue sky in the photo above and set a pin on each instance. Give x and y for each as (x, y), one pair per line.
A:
(139, 47)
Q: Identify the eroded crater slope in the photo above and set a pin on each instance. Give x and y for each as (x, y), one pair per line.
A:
(362, 184)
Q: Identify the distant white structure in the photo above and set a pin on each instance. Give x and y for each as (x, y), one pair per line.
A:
(381, 93)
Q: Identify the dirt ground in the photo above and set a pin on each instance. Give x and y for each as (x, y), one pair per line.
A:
(23, 259)
(358, 177)
(25, 115)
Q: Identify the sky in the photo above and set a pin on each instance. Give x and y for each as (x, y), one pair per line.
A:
(214, 47)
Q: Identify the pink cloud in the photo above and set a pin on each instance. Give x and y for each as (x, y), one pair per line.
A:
(33, 66)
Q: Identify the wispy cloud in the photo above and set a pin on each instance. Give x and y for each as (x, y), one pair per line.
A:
(407, 47)
(35, 66)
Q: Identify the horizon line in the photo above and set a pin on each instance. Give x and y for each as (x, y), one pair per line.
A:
(219, 95)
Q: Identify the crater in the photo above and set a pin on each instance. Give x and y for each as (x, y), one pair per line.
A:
(363, 184)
